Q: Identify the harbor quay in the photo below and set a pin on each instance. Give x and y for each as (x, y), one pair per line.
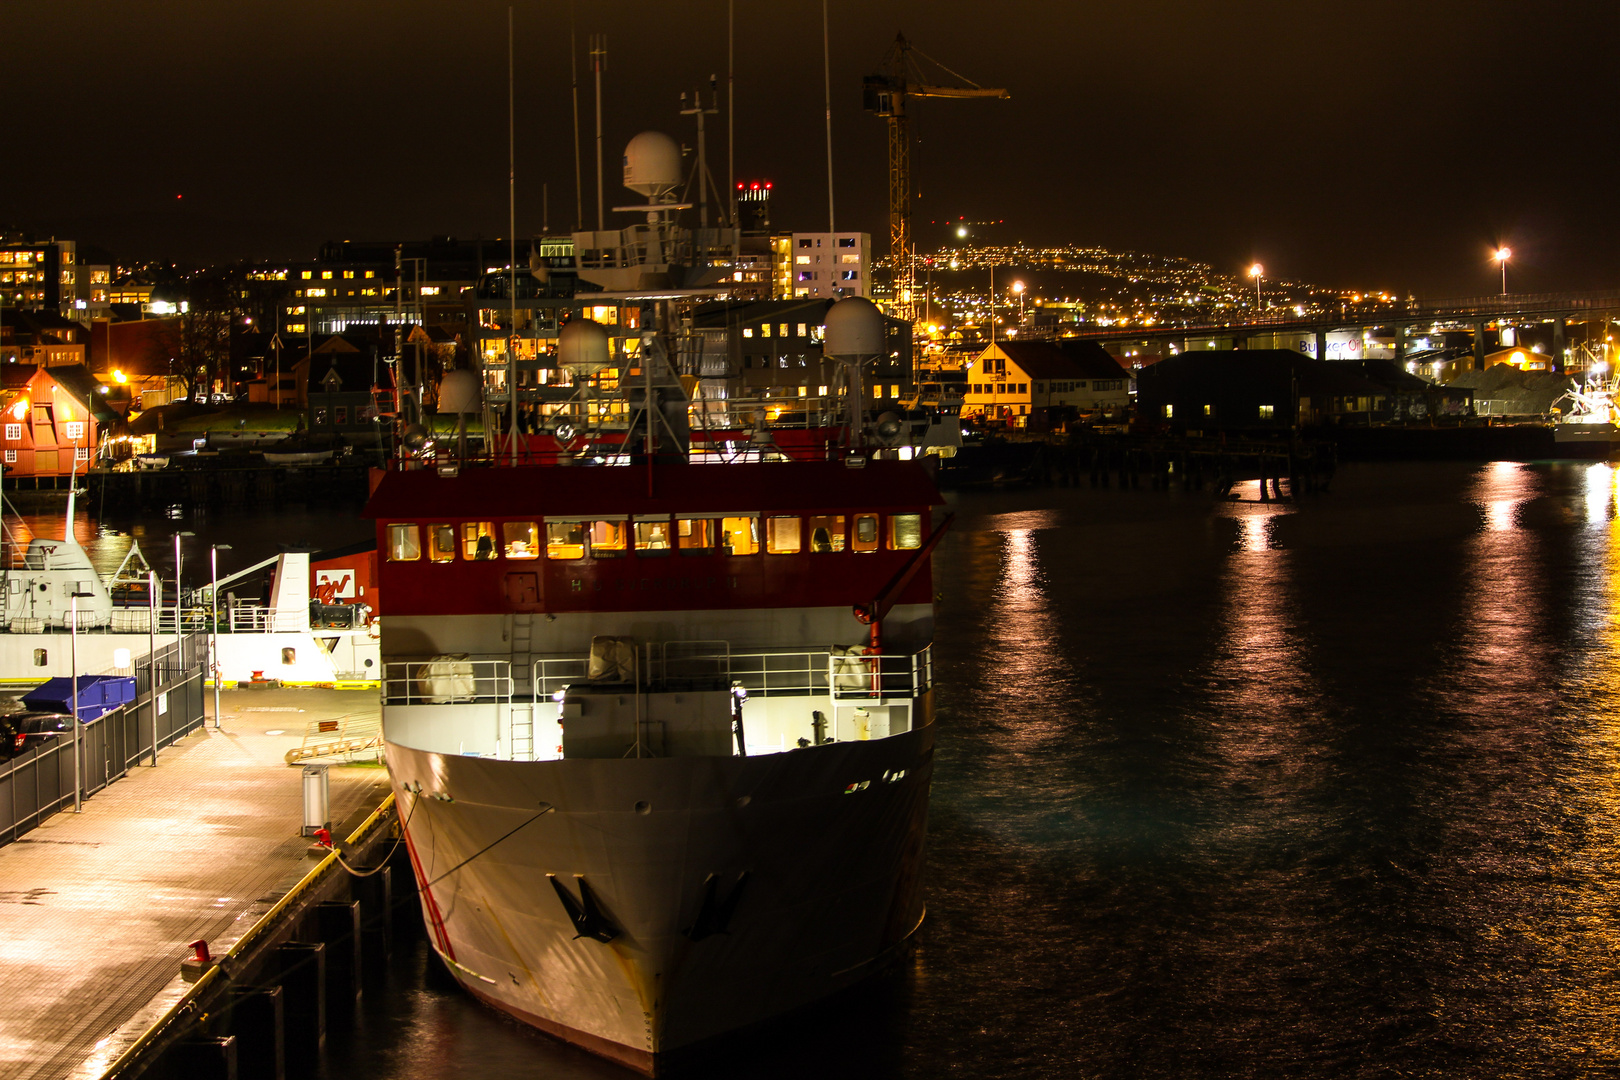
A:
(99, 910)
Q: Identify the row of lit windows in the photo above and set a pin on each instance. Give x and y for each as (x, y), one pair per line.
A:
(843, 275)
(80, 453)
(999, 388)
(782, 330)
(21, 258)
(651, 537)
(73, 431)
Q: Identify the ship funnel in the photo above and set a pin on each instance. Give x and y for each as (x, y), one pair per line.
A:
(583, 347)
(652, 164)
(854, 328)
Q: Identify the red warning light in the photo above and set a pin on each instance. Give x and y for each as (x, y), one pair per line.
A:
(767, 185)
(756, 187)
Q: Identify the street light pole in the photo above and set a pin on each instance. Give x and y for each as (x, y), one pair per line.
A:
(1503, 254)
(153, 601)
(213, 603)
(1257, 271)
(73, 664)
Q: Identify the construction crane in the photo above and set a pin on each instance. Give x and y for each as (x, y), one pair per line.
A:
(886, 95)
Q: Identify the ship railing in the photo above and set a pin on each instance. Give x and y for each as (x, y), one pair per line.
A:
(120, 621)
(255, 619)
(841, 674)
(446, 680)
(552, 674)
(191, 620)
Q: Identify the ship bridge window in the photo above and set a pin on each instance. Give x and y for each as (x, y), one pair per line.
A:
(905, 532)
(739, 535)
(782, 535)
(520, 539)
(404, 543)
(695, 535)
(478, 540)
(826, 533)
(652, 536)
(866, 533)
(565, 539)
(441, 543)
(609, 539)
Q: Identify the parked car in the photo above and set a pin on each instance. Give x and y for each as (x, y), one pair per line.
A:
(8, 735)
(31, 729)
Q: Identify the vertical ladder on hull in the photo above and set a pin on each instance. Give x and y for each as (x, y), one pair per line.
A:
(522, 708)
(522, 657)
(522, 731)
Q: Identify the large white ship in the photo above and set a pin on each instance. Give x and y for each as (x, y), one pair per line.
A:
(658, 782)
(660, 723)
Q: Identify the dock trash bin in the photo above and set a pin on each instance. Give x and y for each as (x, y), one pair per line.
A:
(317, 799)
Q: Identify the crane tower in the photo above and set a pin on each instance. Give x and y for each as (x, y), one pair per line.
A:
(886, 95)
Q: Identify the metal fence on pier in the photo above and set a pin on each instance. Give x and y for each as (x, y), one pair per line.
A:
(39, 782)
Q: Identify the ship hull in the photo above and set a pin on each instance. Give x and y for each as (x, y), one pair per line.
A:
(1590, 441)
(733, 889)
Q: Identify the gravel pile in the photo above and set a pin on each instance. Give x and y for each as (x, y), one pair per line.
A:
(1511, 391)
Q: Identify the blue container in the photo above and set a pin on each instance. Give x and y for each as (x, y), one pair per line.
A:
(98, 695)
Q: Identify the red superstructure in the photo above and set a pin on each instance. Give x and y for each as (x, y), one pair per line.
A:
(578, 539)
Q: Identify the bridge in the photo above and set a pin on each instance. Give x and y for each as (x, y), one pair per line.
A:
(1470, 314)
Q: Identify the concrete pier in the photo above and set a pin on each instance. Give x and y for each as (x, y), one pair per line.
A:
(96, 909)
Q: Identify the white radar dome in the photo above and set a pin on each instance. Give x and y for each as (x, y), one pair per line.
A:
(459, 392)
(652, 164)
(854, 328)
(582, 347)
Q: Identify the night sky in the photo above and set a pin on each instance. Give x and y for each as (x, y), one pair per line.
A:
(1361, 144)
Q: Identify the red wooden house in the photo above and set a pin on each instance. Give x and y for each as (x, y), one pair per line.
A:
(51, 422)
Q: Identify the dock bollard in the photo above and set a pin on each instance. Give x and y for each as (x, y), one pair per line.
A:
(301, 973)
(193, 966)
(257, 1018)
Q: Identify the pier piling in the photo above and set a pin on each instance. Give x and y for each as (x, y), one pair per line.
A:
(257, 1019)
(337, 925)
(204, 1059)
(301, 973)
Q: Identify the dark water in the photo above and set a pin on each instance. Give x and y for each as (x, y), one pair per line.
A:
(1230, 790)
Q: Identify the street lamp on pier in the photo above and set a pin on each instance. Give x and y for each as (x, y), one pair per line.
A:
(73, 663)
(213, 604)
(1502, 255)
(1018, 291)
(1257, 271)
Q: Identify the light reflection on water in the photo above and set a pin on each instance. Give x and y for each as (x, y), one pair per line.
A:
(1315, 789)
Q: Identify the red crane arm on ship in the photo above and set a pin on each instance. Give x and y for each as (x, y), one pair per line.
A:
(874, 612)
